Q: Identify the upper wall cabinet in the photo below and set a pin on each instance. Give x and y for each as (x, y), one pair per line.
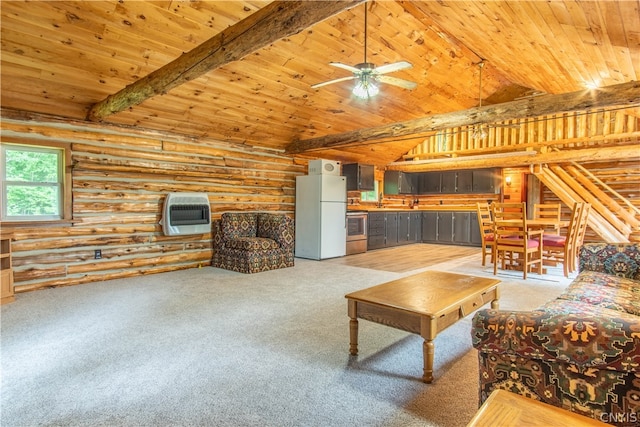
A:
(429, 182)
(359, 177)
(459, 182)
(486, 180)
(397, 182)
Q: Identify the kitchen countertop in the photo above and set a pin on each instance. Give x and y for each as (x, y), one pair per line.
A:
(457, 208)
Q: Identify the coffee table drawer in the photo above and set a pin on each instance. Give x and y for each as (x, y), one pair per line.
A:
(471, 304)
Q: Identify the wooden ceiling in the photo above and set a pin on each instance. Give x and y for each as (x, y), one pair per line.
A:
(63, 57)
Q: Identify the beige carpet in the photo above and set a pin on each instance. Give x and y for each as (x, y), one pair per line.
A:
(212, 347)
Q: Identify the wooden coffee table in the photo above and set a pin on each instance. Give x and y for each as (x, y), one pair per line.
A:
(424, 304)
(506, 409)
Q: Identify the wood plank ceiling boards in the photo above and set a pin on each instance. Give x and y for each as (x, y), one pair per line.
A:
(66, 58)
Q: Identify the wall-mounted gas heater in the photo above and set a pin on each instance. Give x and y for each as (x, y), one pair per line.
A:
(186, 213)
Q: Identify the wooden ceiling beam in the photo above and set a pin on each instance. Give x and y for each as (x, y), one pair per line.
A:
(623, 94)
(519, 159)
(268, 25)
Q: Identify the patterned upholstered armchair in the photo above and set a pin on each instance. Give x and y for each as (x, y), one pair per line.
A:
(250, 242)
(580, 351)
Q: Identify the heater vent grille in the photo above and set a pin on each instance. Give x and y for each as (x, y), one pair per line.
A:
(186, 213)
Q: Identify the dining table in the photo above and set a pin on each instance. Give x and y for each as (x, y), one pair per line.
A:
(541, 224)
(546, 223)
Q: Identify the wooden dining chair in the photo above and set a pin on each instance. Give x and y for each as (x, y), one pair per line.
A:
(511, 237)
(485, 222)
(580, 233)
(561, 248)
(548, 211)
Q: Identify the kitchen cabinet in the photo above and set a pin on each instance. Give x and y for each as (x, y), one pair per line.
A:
(360, 177)
(429, 227)
(459, 182)
(404, 220)
(388, 229)
(464, 182)
(445, 227)
(453, 228)
(476, 236)
(429, 182)
(398, 182)
(448, 182)
(461, 228)
(486, 181)
(376, 232)
(391, 228)
(415, 227)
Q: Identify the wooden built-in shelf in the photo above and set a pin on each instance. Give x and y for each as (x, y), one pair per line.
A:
(6, 271)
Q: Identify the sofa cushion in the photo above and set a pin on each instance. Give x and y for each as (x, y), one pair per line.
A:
(622, 259)
(238, 224)
(269, 225)
(605, 290)
(278, 227)
(252, 243)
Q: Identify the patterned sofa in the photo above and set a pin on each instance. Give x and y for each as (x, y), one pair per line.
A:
(250, 242)
(581, 351)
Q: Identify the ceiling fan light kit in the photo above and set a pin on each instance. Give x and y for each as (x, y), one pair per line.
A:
(365, 88)
(367, 75)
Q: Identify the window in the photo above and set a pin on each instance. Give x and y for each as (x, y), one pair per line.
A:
(370, 196)
(33, 179)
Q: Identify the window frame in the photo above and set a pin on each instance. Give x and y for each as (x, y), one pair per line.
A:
(64, 174)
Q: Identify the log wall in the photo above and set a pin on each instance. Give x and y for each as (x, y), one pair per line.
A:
(120, 178)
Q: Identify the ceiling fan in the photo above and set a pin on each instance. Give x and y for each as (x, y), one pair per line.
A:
(479, 131)
(367, 75)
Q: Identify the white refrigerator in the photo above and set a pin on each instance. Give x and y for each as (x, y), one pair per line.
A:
(321, 216)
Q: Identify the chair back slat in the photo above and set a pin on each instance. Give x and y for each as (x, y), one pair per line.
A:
(511, 238)
(548, 211)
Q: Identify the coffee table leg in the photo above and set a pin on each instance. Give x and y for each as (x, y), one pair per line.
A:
(353, 337)
(495, 303)
(428, 350)
(353, 328)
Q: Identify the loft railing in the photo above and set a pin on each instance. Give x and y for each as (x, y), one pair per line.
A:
(569, 130)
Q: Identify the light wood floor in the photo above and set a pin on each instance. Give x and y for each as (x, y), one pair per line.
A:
(399, 259)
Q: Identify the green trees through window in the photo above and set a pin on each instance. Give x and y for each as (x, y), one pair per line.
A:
(32, 182)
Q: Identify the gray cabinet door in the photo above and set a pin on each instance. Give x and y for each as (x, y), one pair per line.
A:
(445, 227)
(486, 181)
(448, 182)
(359, 177)
(430, 227)
(397, 182)
(464, 183)
(476, 238)
(376, 229)
(403, 227)
(429, 182)
(461, 228)
(391, 229)
(415, 227)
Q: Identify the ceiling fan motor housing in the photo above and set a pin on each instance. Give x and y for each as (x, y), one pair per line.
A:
(366, 66)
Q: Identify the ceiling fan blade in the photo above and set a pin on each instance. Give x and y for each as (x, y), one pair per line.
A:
(396, 66)
(341, 79)
(397, 82)
(345, 67)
